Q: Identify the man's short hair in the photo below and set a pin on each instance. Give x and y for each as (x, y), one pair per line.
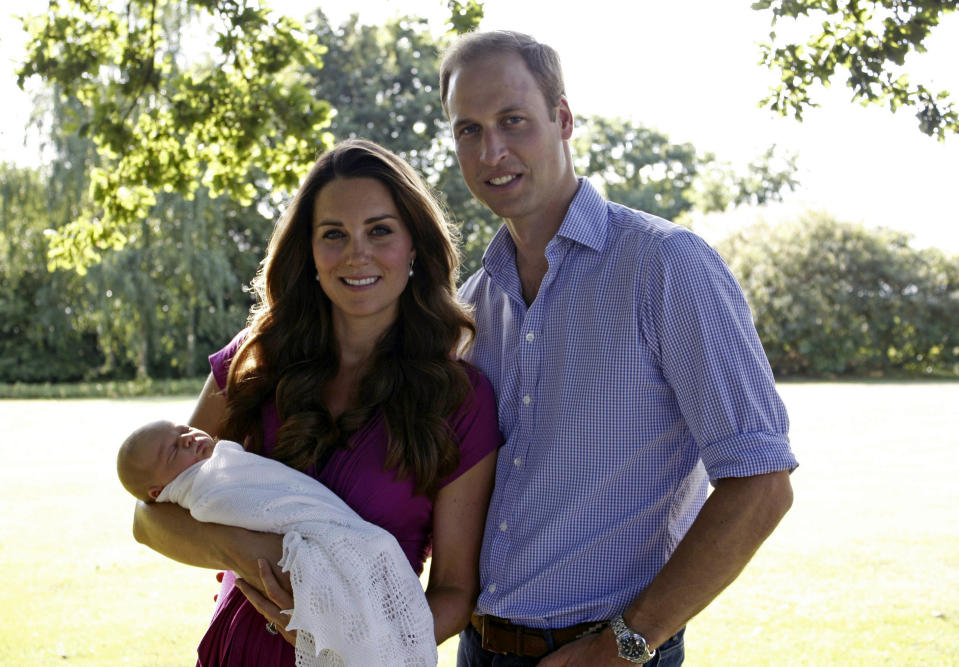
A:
(541, 60)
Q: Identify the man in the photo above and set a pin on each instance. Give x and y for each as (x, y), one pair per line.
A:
(628, 376)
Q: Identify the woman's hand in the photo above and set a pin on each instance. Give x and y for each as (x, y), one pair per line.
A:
(277, 604)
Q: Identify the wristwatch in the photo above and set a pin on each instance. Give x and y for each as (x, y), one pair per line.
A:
(632, 646)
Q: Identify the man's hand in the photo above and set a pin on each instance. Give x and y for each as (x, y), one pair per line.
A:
(278, 601)
(594, 650)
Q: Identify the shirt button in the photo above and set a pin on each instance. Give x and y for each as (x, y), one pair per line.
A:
(503, 527)
(530, 337)
(526, 399)
(517, 462)
(491, 588)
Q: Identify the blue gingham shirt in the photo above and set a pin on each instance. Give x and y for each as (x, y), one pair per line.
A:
(634, 377)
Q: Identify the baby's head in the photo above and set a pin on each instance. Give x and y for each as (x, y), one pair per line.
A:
(153, 455)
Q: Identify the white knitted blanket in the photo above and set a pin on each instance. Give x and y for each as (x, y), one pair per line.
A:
(356, 600)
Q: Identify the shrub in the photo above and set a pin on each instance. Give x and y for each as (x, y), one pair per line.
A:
(832, 298)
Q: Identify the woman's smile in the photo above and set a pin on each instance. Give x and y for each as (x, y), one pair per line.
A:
(360, 282)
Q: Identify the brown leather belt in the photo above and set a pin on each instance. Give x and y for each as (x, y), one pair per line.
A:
(501, 636)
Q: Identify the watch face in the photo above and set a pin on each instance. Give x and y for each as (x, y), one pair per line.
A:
(633, 647)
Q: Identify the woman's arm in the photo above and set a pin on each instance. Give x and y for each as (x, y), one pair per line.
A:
(210, 408)
(169, 530)
(459, 515)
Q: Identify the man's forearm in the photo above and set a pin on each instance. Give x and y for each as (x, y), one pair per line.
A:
(170, 530)
(738, 516)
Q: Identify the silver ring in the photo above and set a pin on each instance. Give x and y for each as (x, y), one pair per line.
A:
(271, 628)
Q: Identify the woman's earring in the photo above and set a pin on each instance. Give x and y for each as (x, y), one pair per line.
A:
(317, 276)
(411, 267)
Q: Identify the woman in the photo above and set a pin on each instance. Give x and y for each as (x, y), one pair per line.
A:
(346, 372)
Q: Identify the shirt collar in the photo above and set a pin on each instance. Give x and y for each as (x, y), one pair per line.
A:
(500, 253)
(585, 223)
(586, 220)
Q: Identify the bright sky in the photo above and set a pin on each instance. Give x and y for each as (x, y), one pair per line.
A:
(690, 69)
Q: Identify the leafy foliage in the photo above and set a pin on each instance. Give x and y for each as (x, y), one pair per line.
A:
(832, 298)
(175, 291)
(464, 16)
(767, 176)
(641, 168)
(154, 308)
(162, 125)
(870, 40)
(40, 337)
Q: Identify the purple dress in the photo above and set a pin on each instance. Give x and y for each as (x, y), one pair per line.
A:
(237, 634)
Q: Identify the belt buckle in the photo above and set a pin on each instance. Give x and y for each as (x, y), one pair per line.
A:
(485, 637)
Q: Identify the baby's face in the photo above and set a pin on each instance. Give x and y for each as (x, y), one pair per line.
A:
(174, 448)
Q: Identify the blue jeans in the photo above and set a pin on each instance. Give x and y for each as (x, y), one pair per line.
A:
(471, 653)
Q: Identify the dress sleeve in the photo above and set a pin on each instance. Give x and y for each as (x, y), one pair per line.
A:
(475, 424)
(221, 359)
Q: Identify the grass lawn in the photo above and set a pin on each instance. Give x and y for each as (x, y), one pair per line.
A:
(864, 570)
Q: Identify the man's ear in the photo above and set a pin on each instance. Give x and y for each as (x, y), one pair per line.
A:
(154, 491)
(565, 118)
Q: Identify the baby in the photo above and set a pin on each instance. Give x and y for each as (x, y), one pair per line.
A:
(153, 455)
(362, 602)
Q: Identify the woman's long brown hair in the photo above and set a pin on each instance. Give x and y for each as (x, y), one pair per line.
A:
(291, 353)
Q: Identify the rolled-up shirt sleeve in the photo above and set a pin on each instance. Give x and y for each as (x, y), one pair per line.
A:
(710, 354)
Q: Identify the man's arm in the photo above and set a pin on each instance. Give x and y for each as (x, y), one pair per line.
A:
(737, 517)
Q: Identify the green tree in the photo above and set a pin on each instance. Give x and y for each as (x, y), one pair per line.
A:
(381, 81)
(832, 298)
(156, 307)
(163, 125)
(641, 168)
(48, 331)
(869, 41)
(176, 291)
(41, 334)
(719, 186)
(638, 166)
